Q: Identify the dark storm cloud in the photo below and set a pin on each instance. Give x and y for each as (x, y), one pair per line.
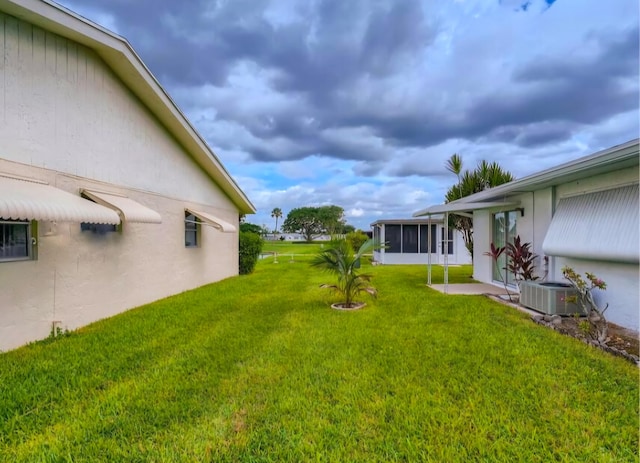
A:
(568, 90)
(323, 53)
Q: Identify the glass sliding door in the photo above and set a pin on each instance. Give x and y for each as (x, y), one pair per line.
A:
(504, 231)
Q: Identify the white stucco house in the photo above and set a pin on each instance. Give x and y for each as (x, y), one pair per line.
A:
(583, 214)
(408, 241)
(109, 198)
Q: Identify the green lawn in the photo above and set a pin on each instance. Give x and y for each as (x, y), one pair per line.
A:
(296, 248)
(258, 368)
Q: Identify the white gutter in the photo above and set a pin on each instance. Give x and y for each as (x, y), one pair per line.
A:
(615, 158)
(459, 207)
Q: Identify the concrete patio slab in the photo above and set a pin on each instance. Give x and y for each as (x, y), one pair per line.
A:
(470, 288)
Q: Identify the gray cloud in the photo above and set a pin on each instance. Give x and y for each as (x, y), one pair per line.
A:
(389, 89)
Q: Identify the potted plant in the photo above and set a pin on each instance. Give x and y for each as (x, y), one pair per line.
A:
(340, 260)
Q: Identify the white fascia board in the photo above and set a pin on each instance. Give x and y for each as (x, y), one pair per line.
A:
(615, 158)
(457, 206)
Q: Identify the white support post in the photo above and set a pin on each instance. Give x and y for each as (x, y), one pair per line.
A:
(429, 252)
(445, 246)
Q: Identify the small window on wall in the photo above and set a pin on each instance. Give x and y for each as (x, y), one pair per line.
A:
(449, 239)
(15, 240)
(191, 230)
(98, 228)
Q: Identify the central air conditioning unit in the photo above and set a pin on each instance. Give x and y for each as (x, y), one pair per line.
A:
(549, 297)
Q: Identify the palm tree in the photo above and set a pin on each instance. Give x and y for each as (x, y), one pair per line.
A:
(485, 175)
(277, 213)
(454, 165)
(340, 260)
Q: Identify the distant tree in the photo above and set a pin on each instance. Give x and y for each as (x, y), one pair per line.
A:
(349, 229)
(332, 219)
(314, 221)
(485, 175)
(251, 228)
(276, 213)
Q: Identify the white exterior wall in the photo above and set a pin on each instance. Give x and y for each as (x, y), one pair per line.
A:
(622, 294)
(63, 109)
(482, 229)
(532, 228)
(65, 119)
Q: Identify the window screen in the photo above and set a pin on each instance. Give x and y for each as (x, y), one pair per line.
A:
(410, 238)
(393, 238)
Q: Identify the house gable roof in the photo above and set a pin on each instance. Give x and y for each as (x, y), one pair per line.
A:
(120, 56)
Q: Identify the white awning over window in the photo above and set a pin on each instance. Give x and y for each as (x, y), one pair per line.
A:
(214, 221)
(600, 226)
(23, 199)
(128, 209)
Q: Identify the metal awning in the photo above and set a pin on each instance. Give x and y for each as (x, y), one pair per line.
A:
(128, 209)
(464, 207)
(601, 226)
(214, 221)
(25, 199)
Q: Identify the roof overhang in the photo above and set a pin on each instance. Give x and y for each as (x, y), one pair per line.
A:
(616, 158)
(127, 65)
(26, 199)
(462, 208)
(410, 221)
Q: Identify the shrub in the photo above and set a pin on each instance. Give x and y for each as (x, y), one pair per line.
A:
(249, 251)
(356, 239)
(597, 324)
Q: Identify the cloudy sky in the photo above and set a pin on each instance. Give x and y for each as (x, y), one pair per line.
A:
(359, 103)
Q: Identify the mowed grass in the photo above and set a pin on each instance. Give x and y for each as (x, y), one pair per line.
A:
(258, 368)
(296, 248)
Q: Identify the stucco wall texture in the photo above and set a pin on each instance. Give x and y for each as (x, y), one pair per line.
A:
(66, 119)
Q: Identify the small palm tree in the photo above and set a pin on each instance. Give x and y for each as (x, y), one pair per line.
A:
(277, 213)
(340, 260)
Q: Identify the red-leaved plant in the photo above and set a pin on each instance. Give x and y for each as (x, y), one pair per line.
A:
(520, 260)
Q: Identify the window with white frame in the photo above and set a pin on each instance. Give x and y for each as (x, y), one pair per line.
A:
(15, 240)
(191, 230)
